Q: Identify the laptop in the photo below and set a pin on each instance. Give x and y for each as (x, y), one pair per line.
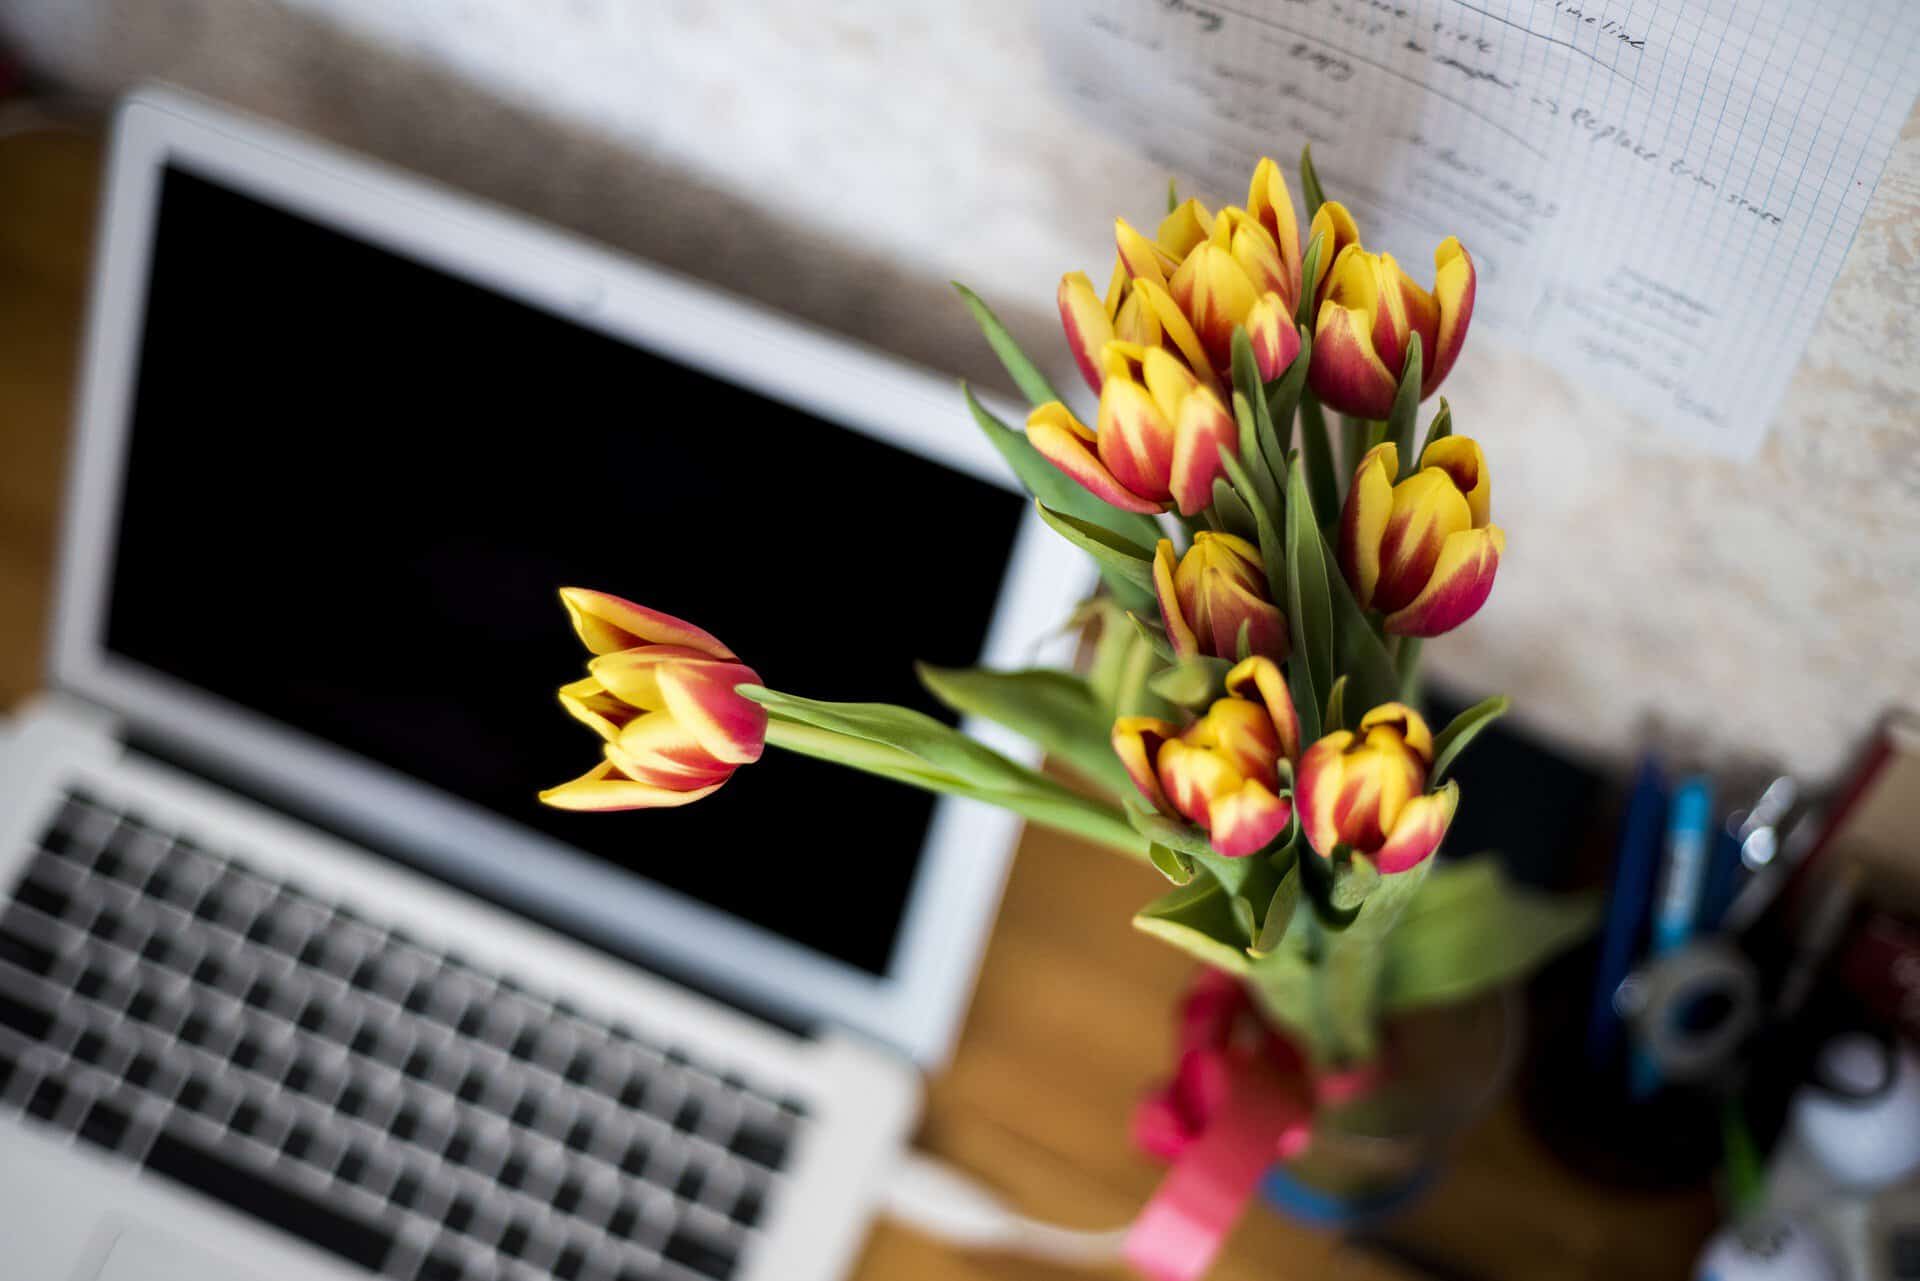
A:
(297, 978)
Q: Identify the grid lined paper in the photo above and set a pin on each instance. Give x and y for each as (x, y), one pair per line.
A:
(1658, 194)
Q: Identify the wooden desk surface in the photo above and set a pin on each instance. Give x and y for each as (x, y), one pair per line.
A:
(1071, 1018)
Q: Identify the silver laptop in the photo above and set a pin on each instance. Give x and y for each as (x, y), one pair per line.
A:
(297, 979)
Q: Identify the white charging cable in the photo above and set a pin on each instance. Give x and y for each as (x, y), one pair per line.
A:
(949, 1206)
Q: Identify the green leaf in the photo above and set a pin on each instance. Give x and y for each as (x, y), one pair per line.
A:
(1310, 612)
(1173, 195)
(1192, 682)
(1111, 551)
(1471, 929)
(1355, 962)
(1252, 412)
(1283, 399)
(1172, 864)
(1175, 834)
(1136, 696)
(1451, 741)
(1232, 511)
(1052, 486)
(1320, 877)
(1112, 642)
(1336, 706)
(1439, 429)
(1406, 407)
(1309, 269)
(1281, 908)
(1199, 920)
(1358, 652)
(1310, 183)
(1056, 710)
(1355, 878)
(1273, 553)
(1316, 450)
(1025, 374)
(1244, 919)
(1046, 802)
(1154, 635)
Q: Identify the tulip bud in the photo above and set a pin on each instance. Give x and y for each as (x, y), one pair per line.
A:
(660, 693)
(1160, 432)
(1367, 791)
(1219, 586)
(1368, 312)
(1224, 771)
(1422, 552)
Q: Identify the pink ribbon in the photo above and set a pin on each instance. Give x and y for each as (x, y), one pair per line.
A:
(1241, 1099)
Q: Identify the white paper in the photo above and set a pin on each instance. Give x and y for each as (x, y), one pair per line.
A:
(1657, 196)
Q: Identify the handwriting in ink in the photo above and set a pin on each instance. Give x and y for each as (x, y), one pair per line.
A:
(1472, 73)
(1207, 19)
(1610, 27)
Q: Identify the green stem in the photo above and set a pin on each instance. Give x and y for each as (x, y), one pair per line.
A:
(1406, 660)
(1316, 454)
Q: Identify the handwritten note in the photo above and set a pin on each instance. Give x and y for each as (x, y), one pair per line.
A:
(1658, 193)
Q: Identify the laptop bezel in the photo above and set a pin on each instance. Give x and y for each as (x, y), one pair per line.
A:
(917, 1004)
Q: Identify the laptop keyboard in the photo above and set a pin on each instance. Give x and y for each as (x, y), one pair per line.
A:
(401, 1107)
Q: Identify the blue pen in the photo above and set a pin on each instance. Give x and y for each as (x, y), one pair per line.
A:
(1676, 908)
(1634, 866)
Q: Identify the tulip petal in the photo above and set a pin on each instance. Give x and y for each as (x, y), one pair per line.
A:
(658, 749)
(1427, 510)
(1144, 260)
(1461, 458)
(1137, 741)
(1135, 439)
(588, 702)
(1134, 321)
(1063, 441)
(1247, 821)
(1408, 725)
(607, 623)
(1203, 430)
(1185, 227)
(1458, 587)
(1271, 205)
(1216, 295)
(1088, 327)
(1275, 340)
(1364, 521)
(701, 697)
(1334, 222)
(1193, 777)
(632, 675)
(1454, 283)
(1229, 605)
(1317, 787)
(1261, 677)
(1175, 325)
(1344, 371)
(1421, 827)
(603, 788)
(1241, 731)
(1179, 634)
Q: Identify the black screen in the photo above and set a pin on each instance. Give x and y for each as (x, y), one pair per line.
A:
(355, 484)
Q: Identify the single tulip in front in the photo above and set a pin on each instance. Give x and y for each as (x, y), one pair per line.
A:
(660, 693)
(1158, 437)
(1368, 311)
(1211, 593)
(1423, 551)
(1367, 790)
(1223, 772)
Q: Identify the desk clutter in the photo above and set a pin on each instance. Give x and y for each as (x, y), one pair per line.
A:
(1750, 1012)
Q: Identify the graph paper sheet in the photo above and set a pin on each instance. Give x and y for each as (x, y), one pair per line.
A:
(1658, 196)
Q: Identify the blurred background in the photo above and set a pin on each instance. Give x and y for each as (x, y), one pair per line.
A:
(842, 164)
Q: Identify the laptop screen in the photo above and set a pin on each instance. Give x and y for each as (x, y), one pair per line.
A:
(355, 483)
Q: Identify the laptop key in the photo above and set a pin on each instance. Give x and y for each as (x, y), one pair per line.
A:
(706, 1255)
(180, 1157)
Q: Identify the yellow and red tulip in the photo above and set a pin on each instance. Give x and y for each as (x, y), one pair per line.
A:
(1223, 772)
(1368, 311)
(660, 693)
(1423, 551)
(1158, 439)
(1367, 790)
(1211, 592)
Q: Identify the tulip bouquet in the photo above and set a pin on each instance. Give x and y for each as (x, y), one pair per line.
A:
(1247, 719)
